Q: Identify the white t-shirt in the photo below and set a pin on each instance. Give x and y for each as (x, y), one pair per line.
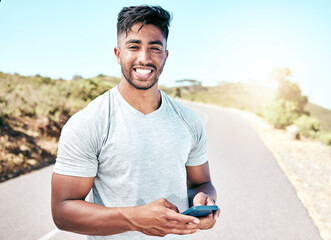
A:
(135, 158)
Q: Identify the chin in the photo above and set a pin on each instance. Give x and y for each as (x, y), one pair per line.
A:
(142, 86)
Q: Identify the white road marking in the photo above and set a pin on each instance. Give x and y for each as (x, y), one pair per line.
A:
(50, 234)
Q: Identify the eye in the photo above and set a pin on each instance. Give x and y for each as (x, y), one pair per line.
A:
(157, 49)
(133, 47)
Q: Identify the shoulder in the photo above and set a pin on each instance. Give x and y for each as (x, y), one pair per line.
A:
(90, 126)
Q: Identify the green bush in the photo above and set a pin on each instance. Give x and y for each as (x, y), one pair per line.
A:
(308, 126)
(325, 137)
(88, 89)
(281, 113)
(290, 91)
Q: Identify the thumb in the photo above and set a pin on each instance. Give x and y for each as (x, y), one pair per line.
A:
(199, 199)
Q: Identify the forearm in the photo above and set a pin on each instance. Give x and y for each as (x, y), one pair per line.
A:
(157, 218)
(91, 219)
(206, 188)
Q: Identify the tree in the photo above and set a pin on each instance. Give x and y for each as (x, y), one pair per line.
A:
(290, 91)
(279, 74)
(288, 103)
(76, 77)
(191, 82)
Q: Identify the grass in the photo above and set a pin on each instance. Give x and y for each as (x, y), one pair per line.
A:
(250, 97)
(237, 95)
(322, 114)
(33, 110)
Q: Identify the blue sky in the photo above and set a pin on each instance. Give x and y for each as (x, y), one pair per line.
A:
(211, 41)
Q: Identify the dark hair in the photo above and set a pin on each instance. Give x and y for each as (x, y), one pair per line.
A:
(154, 15)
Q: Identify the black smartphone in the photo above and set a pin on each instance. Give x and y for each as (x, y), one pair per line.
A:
(201, 211)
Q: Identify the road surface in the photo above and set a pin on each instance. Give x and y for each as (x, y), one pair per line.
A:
(256, 199)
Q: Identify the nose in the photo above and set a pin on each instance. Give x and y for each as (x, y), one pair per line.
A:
(144, 56)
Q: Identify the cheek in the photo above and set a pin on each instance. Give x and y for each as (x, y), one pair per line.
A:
(123, 60)
(127, 59)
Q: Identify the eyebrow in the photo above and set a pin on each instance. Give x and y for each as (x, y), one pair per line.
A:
(139, 42)
(156, 42)
(133, 41)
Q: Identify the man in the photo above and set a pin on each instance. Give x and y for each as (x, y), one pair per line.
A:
(142, 153)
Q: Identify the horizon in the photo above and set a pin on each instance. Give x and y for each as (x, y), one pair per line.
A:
(160, 85)
(243, 41)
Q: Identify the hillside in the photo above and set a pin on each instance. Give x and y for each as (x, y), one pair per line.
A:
(322, 114)
(250, 97)
(33, 110)
(237, 95)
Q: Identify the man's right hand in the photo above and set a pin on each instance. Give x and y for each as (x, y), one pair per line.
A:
(160, 218)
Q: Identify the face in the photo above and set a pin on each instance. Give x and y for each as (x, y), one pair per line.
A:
(142, 55)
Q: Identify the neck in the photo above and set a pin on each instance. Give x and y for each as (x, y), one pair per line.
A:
(145, 101)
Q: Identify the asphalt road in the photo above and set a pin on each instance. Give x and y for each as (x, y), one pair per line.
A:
(256, 199)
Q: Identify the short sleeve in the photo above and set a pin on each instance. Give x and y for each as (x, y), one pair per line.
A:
(198, 153)
(77, 148)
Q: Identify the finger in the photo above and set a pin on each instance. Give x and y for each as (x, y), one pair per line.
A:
(210, 201)
(217, 214)
(181, 218)
(207, 222)
(207, 218)
(199, 199)
(184, 232)
(170, 224)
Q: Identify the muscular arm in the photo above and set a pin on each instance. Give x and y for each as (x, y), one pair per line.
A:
(198, 180)
(201, 191)
(72, 213)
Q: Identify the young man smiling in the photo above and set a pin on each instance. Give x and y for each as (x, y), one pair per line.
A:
(142, 153)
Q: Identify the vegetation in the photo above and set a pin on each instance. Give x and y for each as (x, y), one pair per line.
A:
(237, 95)
(33, 110)
(281, 113)
(308, 126)
(322, 114)
(288, 103)
(289, 107)
(281, 107)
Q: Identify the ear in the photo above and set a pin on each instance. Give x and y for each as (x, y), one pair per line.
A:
(166, 56)
(117, 52)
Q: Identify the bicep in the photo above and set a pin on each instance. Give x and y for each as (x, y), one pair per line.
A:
(197, 175)
(69, 188)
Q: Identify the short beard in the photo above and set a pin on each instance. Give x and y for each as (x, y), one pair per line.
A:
(129, 79)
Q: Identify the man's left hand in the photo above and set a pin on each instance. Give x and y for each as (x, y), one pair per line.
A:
(202, 199)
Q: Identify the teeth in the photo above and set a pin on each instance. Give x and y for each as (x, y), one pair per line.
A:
(143, 71)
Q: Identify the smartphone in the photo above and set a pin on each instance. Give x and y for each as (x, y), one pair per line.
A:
(201, 211)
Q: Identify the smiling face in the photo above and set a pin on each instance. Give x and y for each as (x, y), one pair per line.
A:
(142, 55)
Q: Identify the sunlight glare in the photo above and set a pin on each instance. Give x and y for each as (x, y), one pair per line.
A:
(255, 62)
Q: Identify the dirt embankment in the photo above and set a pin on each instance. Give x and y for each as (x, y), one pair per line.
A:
(27, 144)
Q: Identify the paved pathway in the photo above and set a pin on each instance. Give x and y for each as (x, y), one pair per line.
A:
(257, 200)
